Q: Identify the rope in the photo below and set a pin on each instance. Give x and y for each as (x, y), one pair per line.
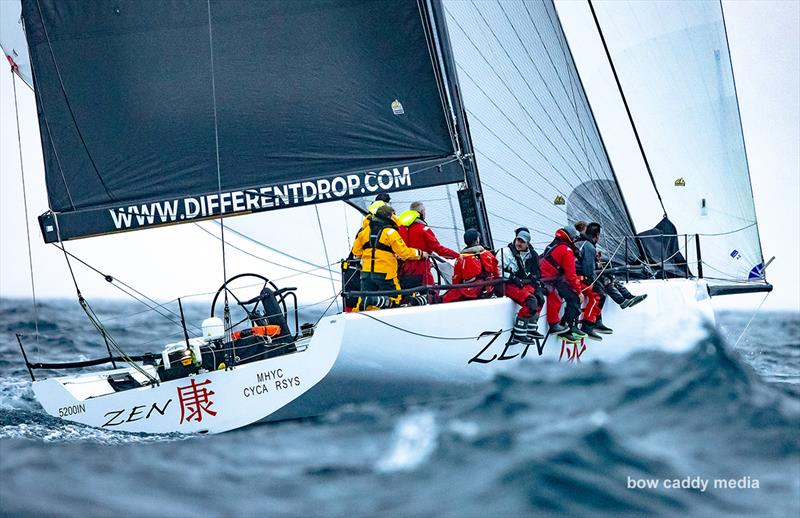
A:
(267, 260)
(453, 338)
(112, 281)
(25, 204)
(751, 319)
(325, 249)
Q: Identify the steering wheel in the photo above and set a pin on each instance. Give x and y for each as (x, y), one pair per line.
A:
(250, 312)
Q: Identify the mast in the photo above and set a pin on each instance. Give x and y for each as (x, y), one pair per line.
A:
(463, 138)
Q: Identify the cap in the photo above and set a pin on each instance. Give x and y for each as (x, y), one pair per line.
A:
(524, 235)
(471, 237)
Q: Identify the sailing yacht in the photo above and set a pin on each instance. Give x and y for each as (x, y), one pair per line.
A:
(226, 114)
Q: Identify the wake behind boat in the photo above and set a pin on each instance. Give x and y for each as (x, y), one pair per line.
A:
(187, 113)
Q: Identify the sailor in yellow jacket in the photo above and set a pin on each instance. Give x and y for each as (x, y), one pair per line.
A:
(380, 200)
(379, 245)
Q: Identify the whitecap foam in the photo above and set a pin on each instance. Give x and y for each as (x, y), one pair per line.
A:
(414, 440)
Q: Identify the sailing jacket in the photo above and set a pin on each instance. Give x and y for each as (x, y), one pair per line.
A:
(420, 236)
(558, 262)
(587, 258)
(475, 263)
(521, 265)
(379, 245)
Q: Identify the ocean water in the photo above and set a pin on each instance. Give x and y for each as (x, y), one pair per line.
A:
(543, 439)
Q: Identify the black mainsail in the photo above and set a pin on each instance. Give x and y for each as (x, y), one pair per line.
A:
(166, 112)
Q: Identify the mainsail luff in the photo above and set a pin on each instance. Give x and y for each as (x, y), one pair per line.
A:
(312, 122)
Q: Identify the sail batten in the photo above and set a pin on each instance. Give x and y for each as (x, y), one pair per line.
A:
(317, 94)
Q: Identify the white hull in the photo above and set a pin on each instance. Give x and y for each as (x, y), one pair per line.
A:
(390, 357)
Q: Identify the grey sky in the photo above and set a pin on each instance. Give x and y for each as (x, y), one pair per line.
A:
(764, 40)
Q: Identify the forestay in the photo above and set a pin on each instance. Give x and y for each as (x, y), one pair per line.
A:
(674, 67)
(156, 113)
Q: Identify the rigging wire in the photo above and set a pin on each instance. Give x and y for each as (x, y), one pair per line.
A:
(627, 108)
(452, 338)
(266, 246)
(132, 292)
(320, 267)
(226, 313)
(521, 105)
(751, 319)
(25, 204)
(98, 325)
(325, 249)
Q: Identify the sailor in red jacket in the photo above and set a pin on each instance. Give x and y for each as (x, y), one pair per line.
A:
(417, 234)
(557, 267)
(473, 265)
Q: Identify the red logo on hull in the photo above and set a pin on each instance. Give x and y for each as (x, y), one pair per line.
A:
(195, 399)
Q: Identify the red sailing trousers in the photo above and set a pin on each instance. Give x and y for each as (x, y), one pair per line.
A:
(525, 297)
(593, 307)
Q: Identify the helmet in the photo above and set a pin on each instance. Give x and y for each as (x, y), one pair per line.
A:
(567, 234)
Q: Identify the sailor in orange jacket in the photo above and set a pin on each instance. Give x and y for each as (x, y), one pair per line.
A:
(475, 263)
(379, 246)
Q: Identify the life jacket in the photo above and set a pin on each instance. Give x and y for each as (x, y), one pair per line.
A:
(472, 268)
(527, 269)
(376, 228)
(407, 218)
(547, 255)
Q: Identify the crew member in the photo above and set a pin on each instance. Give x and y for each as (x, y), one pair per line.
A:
(558, 273)
(417, 234)
(521, 268)
(380, 246)
(592, 290)
(613, 288)
(474, 264)
(351, 267)
(380, 200)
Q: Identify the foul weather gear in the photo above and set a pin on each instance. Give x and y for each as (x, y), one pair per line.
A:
(533, 329)
(376, 282)
(379, 246)
(522, 271)
(475, 263)
(557, 267)
(519, 333)
(573, 334)
(417, 234)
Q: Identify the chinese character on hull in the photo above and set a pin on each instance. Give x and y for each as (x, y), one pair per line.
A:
(195, 400)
